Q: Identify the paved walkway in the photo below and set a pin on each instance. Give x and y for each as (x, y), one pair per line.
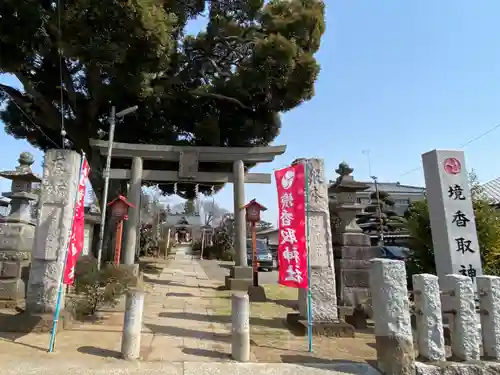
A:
(179, 293)
(175, 339)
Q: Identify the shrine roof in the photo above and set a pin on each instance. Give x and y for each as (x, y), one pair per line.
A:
(183, 219)
(393, 187)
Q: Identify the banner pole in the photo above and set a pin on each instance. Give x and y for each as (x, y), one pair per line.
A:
(309, 298)
(61, 281)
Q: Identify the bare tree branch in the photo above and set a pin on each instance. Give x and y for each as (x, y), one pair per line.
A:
(219, 97)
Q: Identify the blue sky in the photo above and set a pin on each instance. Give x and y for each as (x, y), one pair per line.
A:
(397, 78)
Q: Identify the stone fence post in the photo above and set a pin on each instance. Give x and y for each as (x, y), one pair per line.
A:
(391, 314)
(464, 322)
(489, 302)
(429, 318)
(240, 311)
(393, 331)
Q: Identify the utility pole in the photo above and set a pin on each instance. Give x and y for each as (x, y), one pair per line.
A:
(379, 211)
(104, 205)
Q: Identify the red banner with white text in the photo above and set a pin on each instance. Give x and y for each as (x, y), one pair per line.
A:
(292, 245)
(78, 229)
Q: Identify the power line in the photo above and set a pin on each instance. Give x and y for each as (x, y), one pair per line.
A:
(29, 118)
(461, 146)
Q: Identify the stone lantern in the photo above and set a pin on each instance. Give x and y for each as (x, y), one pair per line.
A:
(346, 208)
(352, 249)
(17, 231)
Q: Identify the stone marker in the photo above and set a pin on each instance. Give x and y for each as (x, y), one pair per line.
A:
(489, 302)
(132, 324)
(464, 322)
(240, 312)
(57, 202)
(451, 214)
(391, 314)
(430, 334)
(323, 292)
(17, 233)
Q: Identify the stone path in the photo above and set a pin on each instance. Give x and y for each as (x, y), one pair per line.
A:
(180, 291)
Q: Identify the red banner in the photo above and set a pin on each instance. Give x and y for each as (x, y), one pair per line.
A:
(292, 245)
(78, 229)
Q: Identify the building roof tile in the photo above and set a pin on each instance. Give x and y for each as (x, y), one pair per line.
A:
(492, 190)
(393, 187)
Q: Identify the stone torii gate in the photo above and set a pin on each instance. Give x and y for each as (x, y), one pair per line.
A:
(189, 159)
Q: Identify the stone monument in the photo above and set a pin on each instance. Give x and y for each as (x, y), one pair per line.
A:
(322, 279)
(57, 203)
(352, 247)
(17, 232)
(451, 214)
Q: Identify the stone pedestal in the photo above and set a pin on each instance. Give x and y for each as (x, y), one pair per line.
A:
(353, 253)
(14, 264)
(240, 278)
(322, 278)
(57, 203)
(17, 234)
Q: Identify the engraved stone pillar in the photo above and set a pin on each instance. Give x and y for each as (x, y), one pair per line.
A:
(132, 224)
(57, 203)
(391, 314)
(324, 298)
(464, 322)
(322, 278)
(430, 334)
(17, 232)
(489, 301)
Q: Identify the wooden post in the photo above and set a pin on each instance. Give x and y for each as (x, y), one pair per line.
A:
(254, 255)
(118, 244)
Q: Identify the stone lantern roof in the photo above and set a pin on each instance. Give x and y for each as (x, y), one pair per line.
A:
(345, 182)
(21, 189)
(23, 171)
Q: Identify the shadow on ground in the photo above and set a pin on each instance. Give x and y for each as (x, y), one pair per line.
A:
(270, 323)
(344, 366)
(213, 354)
(173, 294)
(15, 326)
(174, 284)
(187, 332)
(288, 303)
(14, 336)
(146, 266)
(99, 352)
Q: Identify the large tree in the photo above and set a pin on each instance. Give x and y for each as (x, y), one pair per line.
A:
(225, 86)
